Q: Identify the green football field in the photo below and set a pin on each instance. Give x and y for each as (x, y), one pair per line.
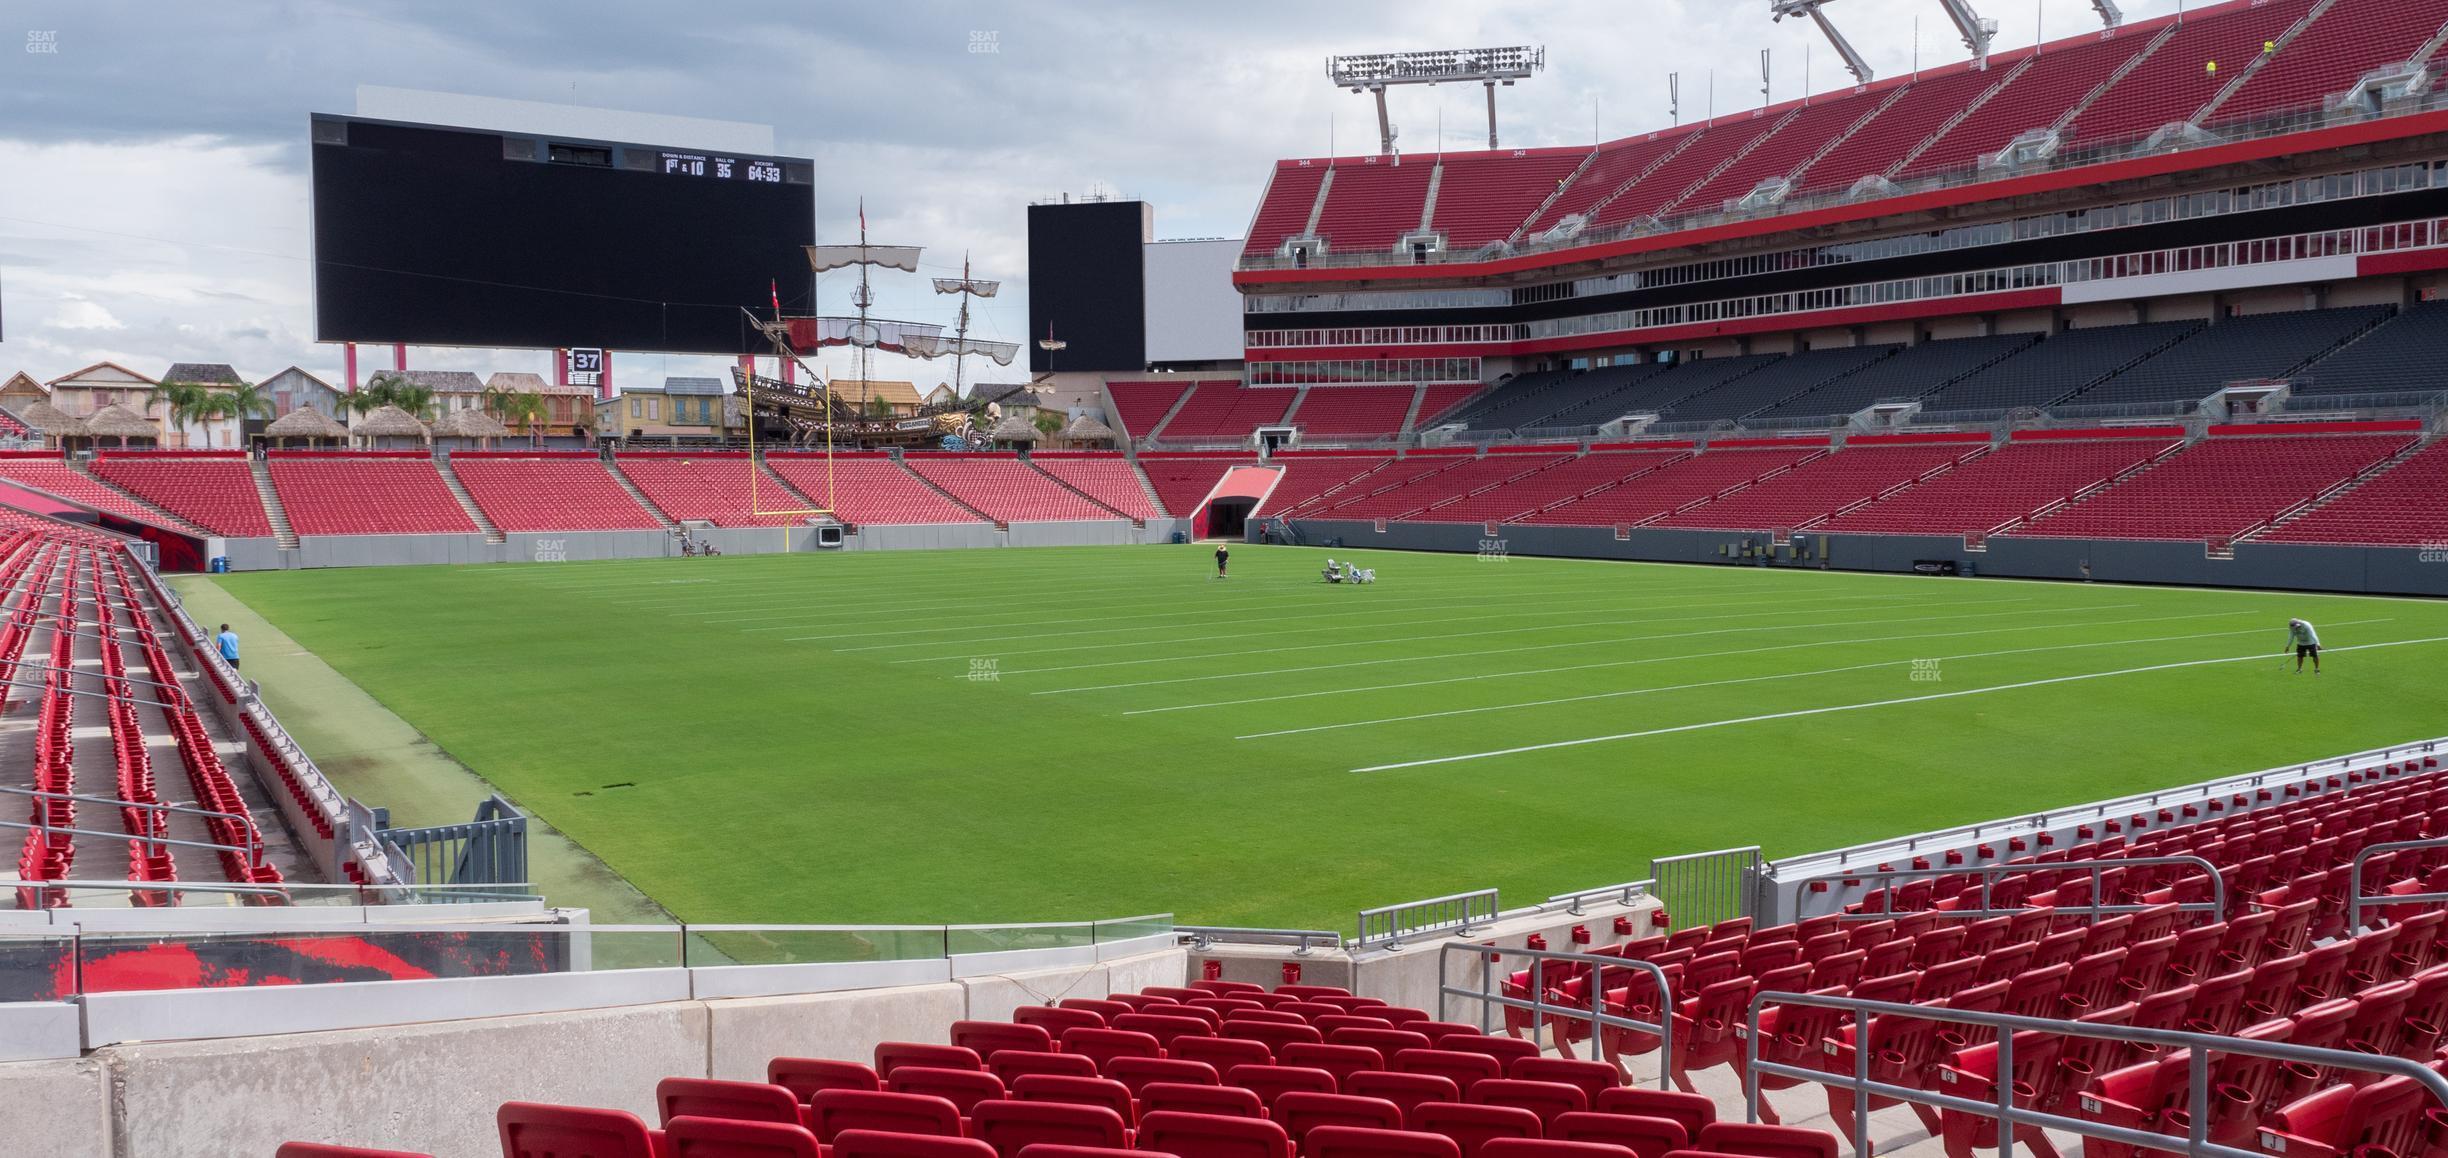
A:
(1070, 733)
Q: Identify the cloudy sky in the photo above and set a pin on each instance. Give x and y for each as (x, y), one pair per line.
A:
(153, 202)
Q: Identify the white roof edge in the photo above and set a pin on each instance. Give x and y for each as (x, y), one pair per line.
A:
(421, 106)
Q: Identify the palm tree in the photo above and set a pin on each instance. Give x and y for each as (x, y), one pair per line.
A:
(392, 388)
(1047, 422)
(240, 400)
(522, 410)
(186, 401)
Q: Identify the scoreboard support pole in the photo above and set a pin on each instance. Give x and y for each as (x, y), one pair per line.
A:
(399, 356)
(348, 356)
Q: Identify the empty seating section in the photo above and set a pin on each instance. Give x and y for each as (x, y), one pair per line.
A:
(1667, 183)
(366, 493)
(869, 489)
(1877, 147)
(1373, 202)
(1606, 393)
(2406, 505)
(1005, 488)
(1436, 400)
(1418, 497)
(73, 600)
(1616, 162)
(1108, 478)
(1821, 487)
(2173, 82)
(1307, 477)
(1560, 483)
(2057, 367)
(215, 492)
(46, 471)
(1139, 406)
(1520, 400)
(2001, 488)
(2350, 38)
(1795, 142)
(1672, 487)
(1214, 1069)
(2219, 487)
(1350, 411)
(570, 491)
(2407, 353)
(1913, 372)
(2037, 98)
(1284, 210)
(714, 487)
(1485, 197)
(1228, 410)
(2252, 346)
(1776, 382)
(1182, 482)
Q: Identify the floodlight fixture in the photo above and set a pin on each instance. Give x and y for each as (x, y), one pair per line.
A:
(1853, 62)
(1373, 72)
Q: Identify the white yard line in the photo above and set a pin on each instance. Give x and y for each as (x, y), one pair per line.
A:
(1780, 676)
(1853, 622)
(2257, 657)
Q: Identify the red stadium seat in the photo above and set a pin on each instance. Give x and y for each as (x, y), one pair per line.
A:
(1223, 1052)
(1549, 1148)
(1058, 1150)
(963, 1088)
(1546, 1099)
(803, 1076)
(1107, 1044)
(689, 1136)
(1229, 1101)
(1103, 1092)
(1360, 1142)
(833, 1111)
(1647, 1137)
(1162, 1027)
(985, 1037)
(1760, 1141)
(1212, 1136)
(1340, 1060)
(1594, 1077)
(1009, 1126)
(909, 1053)
(1135, 1072)
(740, 1101)
(884, 1144)
(1461, 1066)
(1010, 1064)
(1226, 988)
(1272, 1082)
(1300, 1111)
(1472, 1127)
(1385, 1041)
(1503, 1049)
(1404, 1090)
(537, 1130)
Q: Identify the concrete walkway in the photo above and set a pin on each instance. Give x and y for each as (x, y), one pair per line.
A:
(377, 757)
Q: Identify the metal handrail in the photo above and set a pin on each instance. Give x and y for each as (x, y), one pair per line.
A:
(1627, 893)
(254, 852)
(1538, 1005)
(1396, 929)
(115, 802)
(2354, 879)
(1988, 873)
(2004, 1112)
(1203, 936)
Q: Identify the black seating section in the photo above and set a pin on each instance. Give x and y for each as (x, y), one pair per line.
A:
(1777, 382)
(2406, 353)
(1918, 370)
(2251, 346)
(2058, 366)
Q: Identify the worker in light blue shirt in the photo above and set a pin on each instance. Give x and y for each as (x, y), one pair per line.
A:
(228, 642)
(2306, 643)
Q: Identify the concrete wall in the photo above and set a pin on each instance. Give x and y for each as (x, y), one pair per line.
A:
(433, 1087)
(2264, 566)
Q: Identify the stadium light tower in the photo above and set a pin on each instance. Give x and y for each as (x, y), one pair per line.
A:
(1853, 62)
(1372, 72)
(2109, 13)
(1977, 30)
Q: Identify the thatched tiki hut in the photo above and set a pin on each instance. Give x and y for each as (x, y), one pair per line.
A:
(469, 426)
(1013, 429)
(391, 422)
(52, 423)
(307, 423)
(116, 421)
(1086, 429)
